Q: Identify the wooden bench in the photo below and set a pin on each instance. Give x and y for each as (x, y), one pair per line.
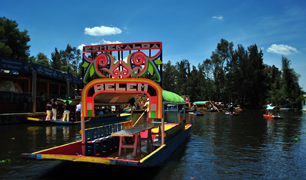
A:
(134, 132)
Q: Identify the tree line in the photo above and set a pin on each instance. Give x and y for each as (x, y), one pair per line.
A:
(230, 75)
(235, 75)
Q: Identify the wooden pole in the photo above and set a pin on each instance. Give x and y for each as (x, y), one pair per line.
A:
(139, 118)
(214, 106)
(83, 135)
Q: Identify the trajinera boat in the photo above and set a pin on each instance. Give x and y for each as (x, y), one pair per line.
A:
(206, 106)
(144, 145)
(272, 112)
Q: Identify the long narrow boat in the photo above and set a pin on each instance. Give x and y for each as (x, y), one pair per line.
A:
(165, 139)
(146, 144)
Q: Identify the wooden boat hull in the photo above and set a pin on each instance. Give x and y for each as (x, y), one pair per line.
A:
(175, 111)
(272, 116)
(208, 110)
(232, 114)
(72, 152)
(196, 114)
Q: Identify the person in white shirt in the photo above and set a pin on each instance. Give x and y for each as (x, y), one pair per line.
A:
(78, 111)
(54, 109)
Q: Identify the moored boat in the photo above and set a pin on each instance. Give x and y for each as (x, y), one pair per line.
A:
(145, 145)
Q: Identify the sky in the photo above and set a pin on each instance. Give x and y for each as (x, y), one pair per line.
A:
(188, 29)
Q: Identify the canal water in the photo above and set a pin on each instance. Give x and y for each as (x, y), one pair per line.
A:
(219, 147)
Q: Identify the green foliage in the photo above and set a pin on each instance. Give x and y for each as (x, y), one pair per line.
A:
(68, 60)
(13, 43)
(237, 76)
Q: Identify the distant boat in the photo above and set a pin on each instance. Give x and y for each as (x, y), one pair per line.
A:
(272, 112)
(206, 106)
(232, 114)
(196, 113)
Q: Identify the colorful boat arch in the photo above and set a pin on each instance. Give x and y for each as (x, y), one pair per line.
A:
(123, 85)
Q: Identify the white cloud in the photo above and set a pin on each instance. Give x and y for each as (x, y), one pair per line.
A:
(109, 42)
(282, 49)
(102, 31)
(218, 17)
(81, 47)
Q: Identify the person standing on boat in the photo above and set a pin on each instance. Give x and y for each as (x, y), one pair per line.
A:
(66, 111)
(78, 111)
(146, 108)
(54, 109)
(195, 108)
(49, 108)
(231, 108)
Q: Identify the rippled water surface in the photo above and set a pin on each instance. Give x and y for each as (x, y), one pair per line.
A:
(219, 147)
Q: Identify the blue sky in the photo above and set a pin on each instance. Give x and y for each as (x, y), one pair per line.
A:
(188, 29)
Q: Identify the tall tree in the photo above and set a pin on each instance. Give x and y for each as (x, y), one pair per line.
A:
(13, 43)
(169, 76)
(221, 55)
(183, 68)
(42, 59)
(258, 81)
(290, 86)
(56, 60)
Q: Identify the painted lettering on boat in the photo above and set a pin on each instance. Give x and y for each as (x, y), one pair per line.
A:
(121, 87)
(127, 46)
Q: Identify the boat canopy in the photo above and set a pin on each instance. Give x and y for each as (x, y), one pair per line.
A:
(172, 98)
(200, 102)
(123, 98)
(272, 108)
(72, 102)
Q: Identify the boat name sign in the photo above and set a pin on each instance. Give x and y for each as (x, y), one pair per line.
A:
(121, 87)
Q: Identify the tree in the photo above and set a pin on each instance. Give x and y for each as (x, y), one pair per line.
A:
(290, 86)
(13, 43)
(221, 55)
(67, 60)
(257, 79)
(42, 59)
(56, 60)
(182, 68)
(169, 74)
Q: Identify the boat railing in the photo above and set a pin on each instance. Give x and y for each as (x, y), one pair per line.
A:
(98, 140)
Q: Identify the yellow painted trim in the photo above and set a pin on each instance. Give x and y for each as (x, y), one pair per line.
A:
(76, 158)
(143, 159)
(56, 147)
(151, 154)
(125, 114)
(33, 119)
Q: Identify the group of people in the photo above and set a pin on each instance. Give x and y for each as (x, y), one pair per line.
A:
(103, 110)
(52, 109)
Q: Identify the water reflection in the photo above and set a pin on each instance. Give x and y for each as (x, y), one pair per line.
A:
(219, 147)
